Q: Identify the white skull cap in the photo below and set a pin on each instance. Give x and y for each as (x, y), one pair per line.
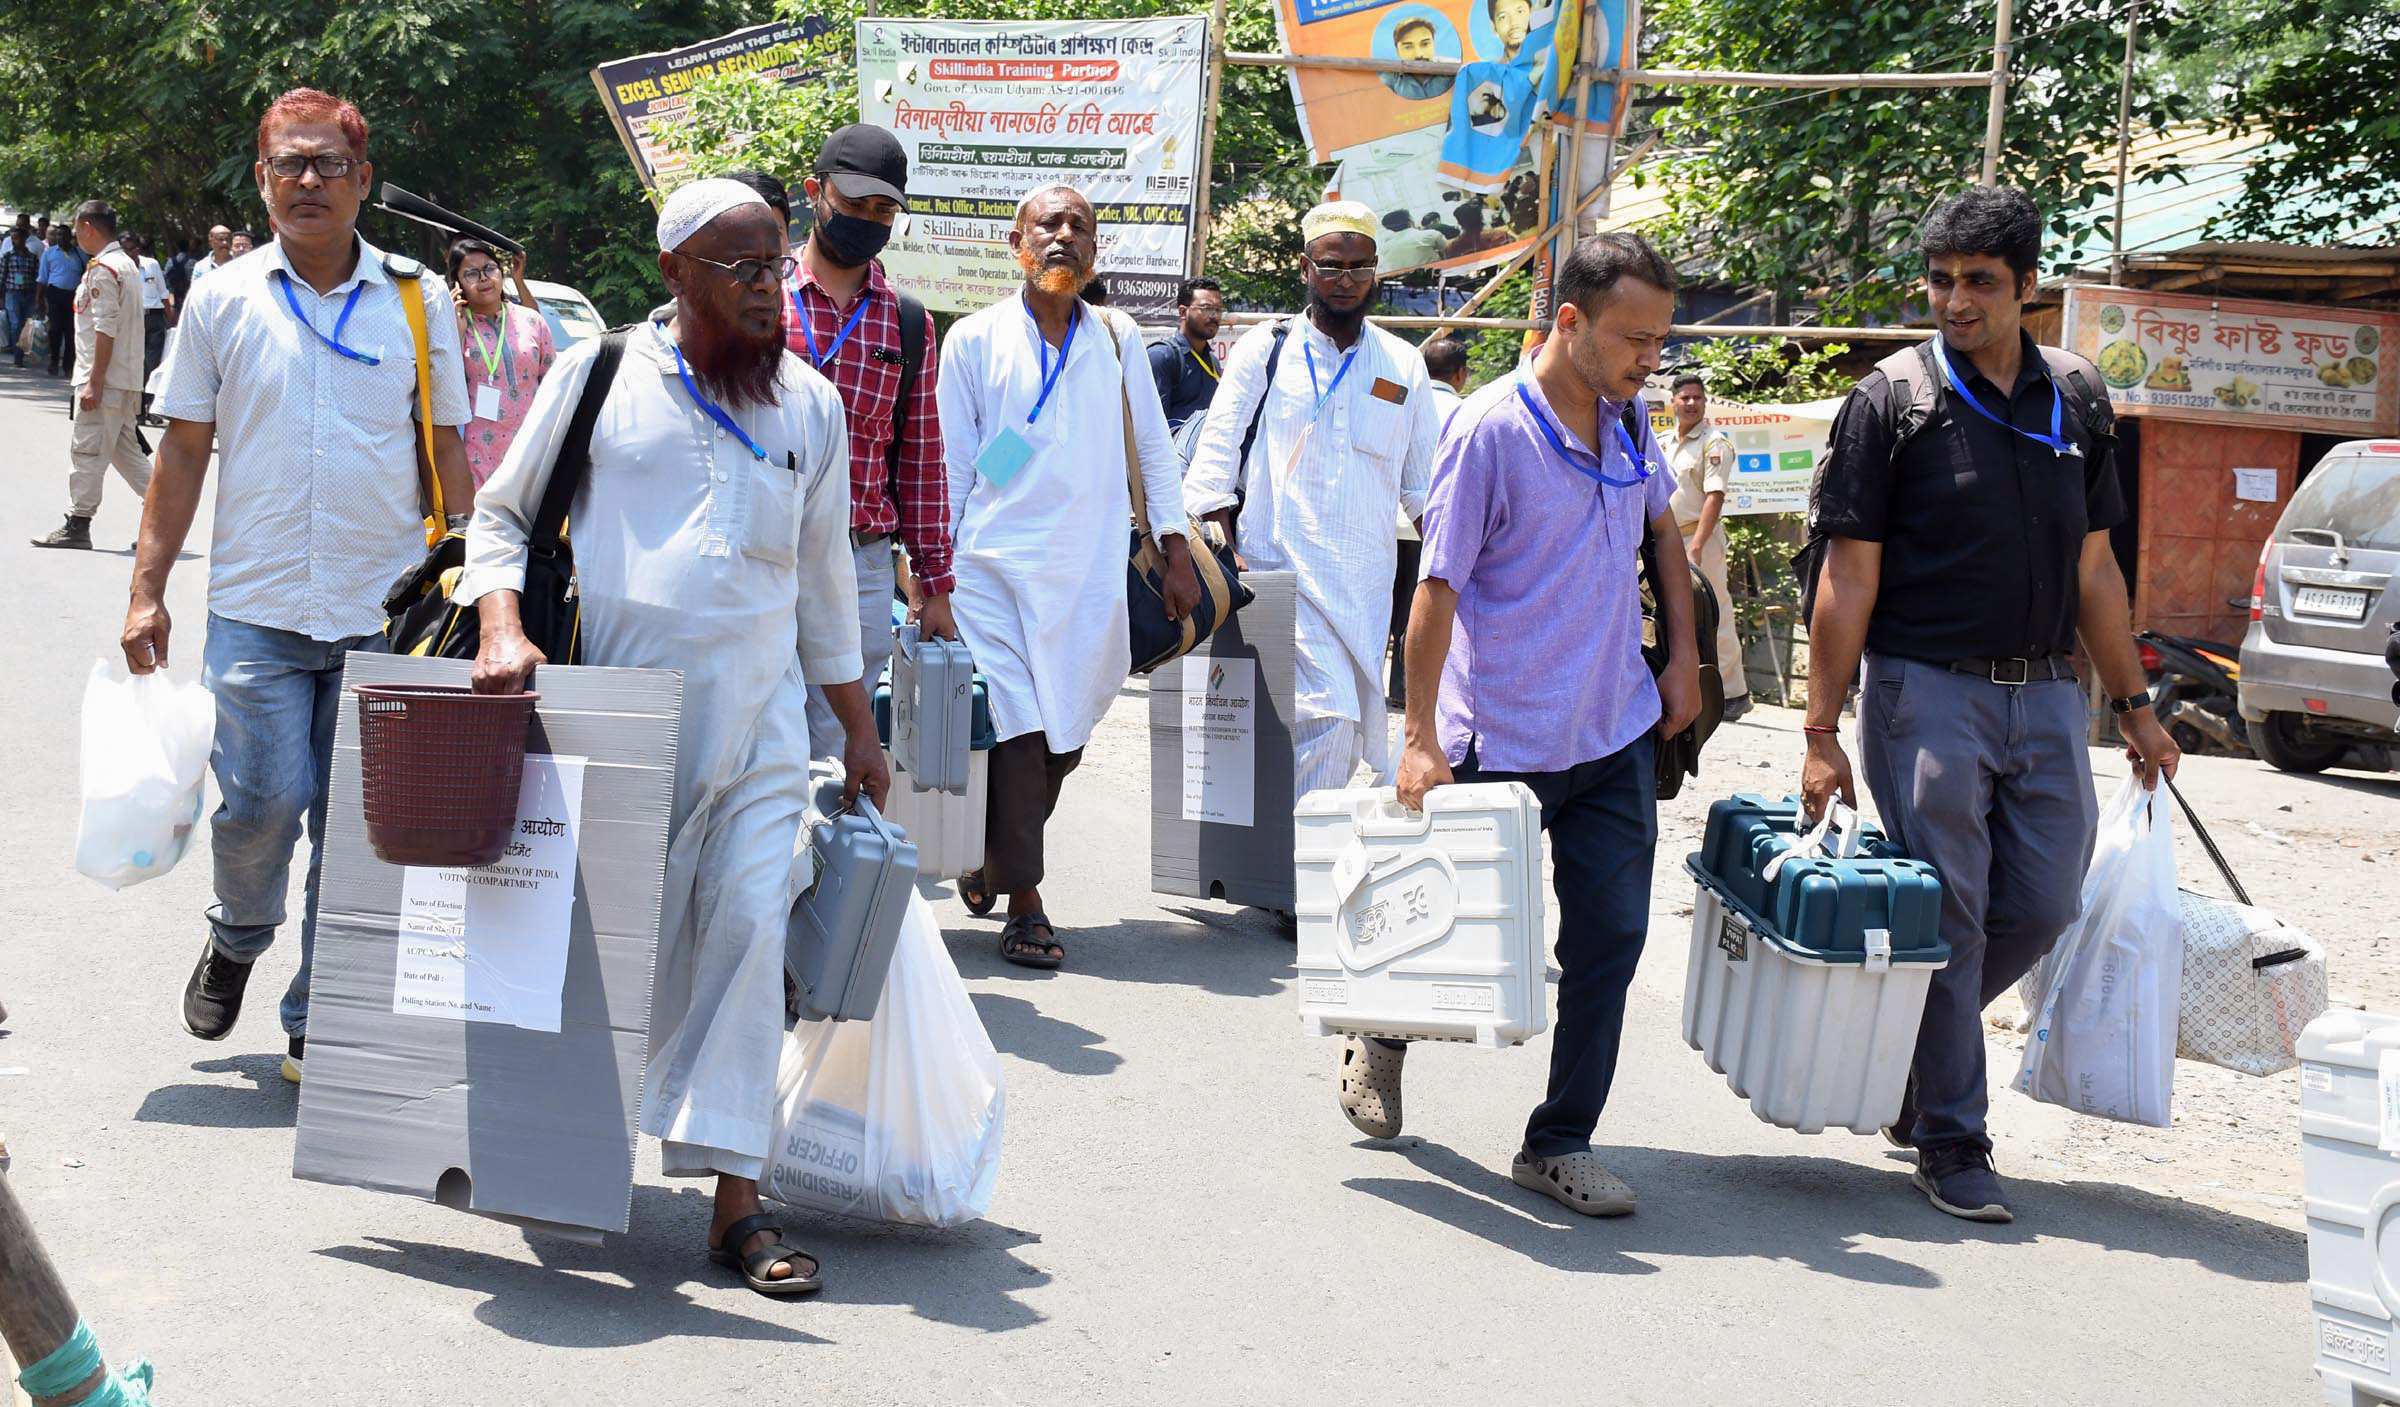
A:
(692, 206)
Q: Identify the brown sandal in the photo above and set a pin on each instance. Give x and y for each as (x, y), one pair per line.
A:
(1018, 945)
(757, 1267)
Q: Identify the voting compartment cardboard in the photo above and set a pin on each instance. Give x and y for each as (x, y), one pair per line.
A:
(1221, 758)
(479, 1037)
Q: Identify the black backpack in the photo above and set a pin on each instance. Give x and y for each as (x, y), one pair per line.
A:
(1915, 389)
(912, 356)
(1678, 756)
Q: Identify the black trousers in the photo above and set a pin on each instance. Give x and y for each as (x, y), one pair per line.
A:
(1404, 591)
(58, 309)
(154, 339)
(1023, 792)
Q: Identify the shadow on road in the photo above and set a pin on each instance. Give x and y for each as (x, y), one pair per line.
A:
(1231, 955)
(267, 1102)
(640, 1288)
(1811, 1212)
(1019, 1028)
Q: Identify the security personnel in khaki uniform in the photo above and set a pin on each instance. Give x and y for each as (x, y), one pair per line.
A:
(1703, 459)
(108, 375)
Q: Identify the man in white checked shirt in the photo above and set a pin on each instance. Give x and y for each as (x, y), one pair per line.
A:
(299, 363)
(1346, 441)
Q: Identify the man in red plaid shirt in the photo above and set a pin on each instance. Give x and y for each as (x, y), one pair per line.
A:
(845, 319)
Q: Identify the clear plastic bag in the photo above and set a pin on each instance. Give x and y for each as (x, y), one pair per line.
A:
(145, 761)
(2105, 1001)
(897, 1118)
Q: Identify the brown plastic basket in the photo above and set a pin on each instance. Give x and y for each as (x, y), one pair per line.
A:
(439, 768)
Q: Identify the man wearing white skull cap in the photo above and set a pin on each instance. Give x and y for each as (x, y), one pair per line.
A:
(711, 537)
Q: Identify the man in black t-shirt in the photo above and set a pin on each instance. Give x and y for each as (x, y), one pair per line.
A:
(1185, 366)
(1967, 550)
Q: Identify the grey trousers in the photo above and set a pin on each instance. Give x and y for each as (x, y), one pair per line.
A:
(875, 578)
(1992, 785)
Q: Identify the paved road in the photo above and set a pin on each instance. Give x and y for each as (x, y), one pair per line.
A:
(1182, 1216)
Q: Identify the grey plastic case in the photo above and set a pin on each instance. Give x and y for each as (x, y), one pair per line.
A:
(933, 696)
(862, 871)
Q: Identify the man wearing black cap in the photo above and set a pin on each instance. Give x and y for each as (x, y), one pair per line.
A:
(847, 322)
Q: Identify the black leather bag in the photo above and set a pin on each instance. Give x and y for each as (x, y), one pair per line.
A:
(421, 619)
(1679, 753)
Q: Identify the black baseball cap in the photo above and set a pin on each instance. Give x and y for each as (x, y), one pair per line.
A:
(863, 160)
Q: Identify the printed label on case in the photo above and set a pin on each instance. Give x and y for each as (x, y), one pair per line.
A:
(1451, 997)
(1325, 991)
(1733, 939)
(2349, 1343)
(2315, 1077)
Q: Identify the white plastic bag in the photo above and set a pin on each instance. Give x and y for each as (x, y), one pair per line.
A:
(898, 1118)
(2103, 1037)
(145, 756)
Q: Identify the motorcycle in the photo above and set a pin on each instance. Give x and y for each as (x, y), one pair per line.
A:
(2193, 688)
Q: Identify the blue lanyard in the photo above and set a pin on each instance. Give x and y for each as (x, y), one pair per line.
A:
(2056, 441)
(1326, 394)
(1576, 455)
(292, 301)
(715, 412)
(1050, 377)
(808, 327)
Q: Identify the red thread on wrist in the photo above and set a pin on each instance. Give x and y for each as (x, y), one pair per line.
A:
(1820, 729)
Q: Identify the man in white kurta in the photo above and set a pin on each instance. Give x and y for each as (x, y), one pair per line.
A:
(719, 548)
(1036, 432)
(1345, 443)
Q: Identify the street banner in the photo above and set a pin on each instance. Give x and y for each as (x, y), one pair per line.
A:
(649, 90)
(991, 111)
(2231, 361)
(1447, 161)
(1776, 448)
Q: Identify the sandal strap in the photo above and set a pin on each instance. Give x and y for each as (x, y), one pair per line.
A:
(746, 1228)
(757, 1264)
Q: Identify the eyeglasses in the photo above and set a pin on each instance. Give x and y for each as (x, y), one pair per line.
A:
(752, 270)
(481, 273)
(1343, 273)
(290, 166)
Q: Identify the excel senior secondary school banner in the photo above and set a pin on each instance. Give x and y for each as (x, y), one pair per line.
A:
(1446, 161)
(992, 110)
(649, 90)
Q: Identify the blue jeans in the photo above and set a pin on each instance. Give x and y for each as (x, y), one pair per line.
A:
(16, 309)
(1602, 820)
(278, 694)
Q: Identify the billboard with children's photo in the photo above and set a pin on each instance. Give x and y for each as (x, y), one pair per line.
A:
(1445, 160)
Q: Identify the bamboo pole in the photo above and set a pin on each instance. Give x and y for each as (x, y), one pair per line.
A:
(1651, 77)
(1195, 257)
(36, 1313)
(1681, 329)
(2116, 226)
(1995, 115)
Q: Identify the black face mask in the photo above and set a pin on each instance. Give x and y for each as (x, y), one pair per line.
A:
(851, 239)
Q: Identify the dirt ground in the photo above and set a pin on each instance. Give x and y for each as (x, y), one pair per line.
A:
(2321, 852)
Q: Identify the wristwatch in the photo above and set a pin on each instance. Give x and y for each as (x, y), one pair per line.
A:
(2129, 704)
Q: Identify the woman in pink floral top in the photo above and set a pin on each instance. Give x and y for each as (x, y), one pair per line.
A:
(508, 351)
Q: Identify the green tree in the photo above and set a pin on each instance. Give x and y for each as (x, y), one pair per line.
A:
(1818, 194)
(2316, 78)
(488, 109)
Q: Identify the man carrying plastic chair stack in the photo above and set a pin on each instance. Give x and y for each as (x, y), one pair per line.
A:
(1345, 441)
(1532, 536)
(1963, 512)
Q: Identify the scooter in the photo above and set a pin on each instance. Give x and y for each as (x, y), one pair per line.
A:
(2193, 688)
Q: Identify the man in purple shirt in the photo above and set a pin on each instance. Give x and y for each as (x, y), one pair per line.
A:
(1529, 619)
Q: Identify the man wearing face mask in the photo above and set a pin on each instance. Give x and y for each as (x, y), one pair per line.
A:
(846, 320)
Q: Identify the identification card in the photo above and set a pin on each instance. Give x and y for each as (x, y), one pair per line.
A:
(1390, 391)
(487, 402)
(1003, 457)
(1291, 462)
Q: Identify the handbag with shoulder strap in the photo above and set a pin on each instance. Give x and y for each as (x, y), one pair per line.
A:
(1156, 639)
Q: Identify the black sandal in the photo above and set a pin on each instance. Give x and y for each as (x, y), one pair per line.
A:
(754, 1267)
(1018, 945)
(971, 893)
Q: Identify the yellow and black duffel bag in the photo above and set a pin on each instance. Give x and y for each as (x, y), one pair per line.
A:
(421, 617)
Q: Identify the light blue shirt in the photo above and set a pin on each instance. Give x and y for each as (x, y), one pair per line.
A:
(61, 269)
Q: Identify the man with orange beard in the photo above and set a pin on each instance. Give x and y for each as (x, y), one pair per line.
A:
(1041, 397)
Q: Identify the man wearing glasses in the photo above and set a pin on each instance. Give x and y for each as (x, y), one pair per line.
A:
(299, 365)
(1346, 430)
